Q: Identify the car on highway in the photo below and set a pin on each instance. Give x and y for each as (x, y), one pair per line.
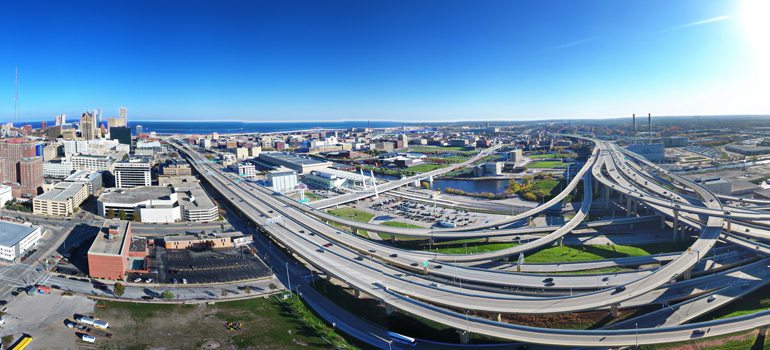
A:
(619, 289)
(327, 245)
(548, 279)
(394, 255)
(711, 298)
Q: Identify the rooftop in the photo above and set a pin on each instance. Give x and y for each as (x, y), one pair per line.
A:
(137, 194)
(106, 244)
(11, 233)
(82, 175)
(286, 157)
(62, 192)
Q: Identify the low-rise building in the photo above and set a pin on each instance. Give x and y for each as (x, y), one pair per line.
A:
(6, 194)
(158, 204)
(301, 165)
(194, 201)
(58, 169)
(197, 241)
(92, 180)
(244, 169)
(322, 180)
(63, 200)
(282, 179)
(93, 163)
(16, 239)
(108, 255)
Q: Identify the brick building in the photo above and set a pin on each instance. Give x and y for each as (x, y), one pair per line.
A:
(108, 256)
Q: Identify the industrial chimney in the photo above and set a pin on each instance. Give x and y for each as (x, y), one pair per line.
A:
(649, 128)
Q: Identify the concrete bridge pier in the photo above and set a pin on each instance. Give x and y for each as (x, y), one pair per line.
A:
(614, 310)
(357, 293)
(662, 222)
(606, 197)
(676, 224)
(688, 274)
(729, 225)
(465, 336)
(388, 309)
(628, 206)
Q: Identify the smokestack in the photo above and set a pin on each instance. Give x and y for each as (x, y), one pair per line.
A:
(649, 127)
(633, 116)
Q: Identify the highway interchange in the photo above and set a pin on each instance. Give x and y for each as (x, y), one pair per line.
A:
(401, 280)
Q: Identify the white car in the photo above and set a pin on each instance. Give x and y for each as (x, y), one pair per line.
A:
(2, 320)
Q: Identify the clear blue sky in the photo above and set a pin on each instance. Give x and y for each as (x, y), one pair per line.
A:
(390, 60)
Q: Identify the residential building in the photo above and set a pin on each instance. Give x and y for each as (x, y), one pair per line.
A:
(12, 151)
(30, 176)
(51, 152)
(63, 200)
(16, 239)
(135, 172)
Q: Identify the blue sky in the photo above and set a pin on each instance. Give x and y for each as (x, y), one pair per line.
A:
(388, 60)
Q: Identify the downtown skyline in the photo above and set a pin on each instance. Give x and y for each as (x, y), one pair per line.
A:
(400, 61)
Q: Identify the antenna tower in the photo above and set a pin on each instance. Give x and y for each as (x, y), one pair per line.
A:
(16, 98)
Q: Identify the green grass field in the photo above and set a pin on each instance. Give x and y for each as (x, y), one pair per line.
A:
(426, 167)
(545, 186)
(754, 302)
(265, 323)
(399, 224)
(551, 155)
(352, 214)
(564, 253)
(546, 164)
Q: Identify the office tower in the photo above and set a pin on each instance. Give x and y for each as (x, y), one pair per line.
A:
(135, 172)
(61, 119)
(123, 114)
(87, 126)
(43, 126)
(122, 134)
(139, 130)
(31, 175)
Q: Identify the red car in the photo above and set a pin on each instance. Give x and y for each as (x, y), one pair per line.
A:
(327, 245)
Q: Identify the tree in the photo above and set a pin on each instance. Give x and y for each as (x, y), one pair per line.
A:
(137, 217)
(110, 213)
(119, 289)
(122, 215)
(167, 295)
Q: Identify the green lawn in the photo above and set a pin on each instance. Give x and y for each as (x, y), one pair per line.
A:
(426, 167)
(399, 224)
(545, 186)
(352, 214)
(563, 253)
(552, 155)
(546, 164)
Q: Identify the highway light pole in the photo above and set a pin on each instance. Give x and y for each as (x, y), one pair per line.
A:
(288, 277)
(636, 338)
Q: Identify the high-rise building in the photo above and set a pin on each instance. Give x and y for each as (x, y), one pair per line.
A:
(123, 114)
(31, 175)
(61, 119)
(135, 172)
(122, 134)
(139, 130)
(87, 126)
(11, 153)
(43, 126)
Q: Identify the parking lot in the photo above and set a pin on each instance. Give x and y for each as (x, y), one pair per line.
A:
(209, 266)
(425, 214)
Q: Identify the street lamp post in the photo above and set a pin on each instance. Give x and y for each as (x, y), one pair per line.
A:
(636, 338)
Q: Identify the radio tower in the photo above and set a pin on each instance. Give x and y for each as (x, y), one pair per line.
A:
(16, 98)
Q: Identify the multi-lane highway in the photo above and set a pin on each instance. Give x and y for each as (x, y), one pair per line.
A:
(389, 274)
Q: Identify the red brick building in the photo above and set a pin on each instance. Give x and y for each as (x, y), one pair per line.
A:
(108, 256)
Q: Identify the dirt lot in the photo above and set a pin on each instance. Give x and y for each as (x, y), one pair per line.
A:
(264, 325)
(42, 317)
